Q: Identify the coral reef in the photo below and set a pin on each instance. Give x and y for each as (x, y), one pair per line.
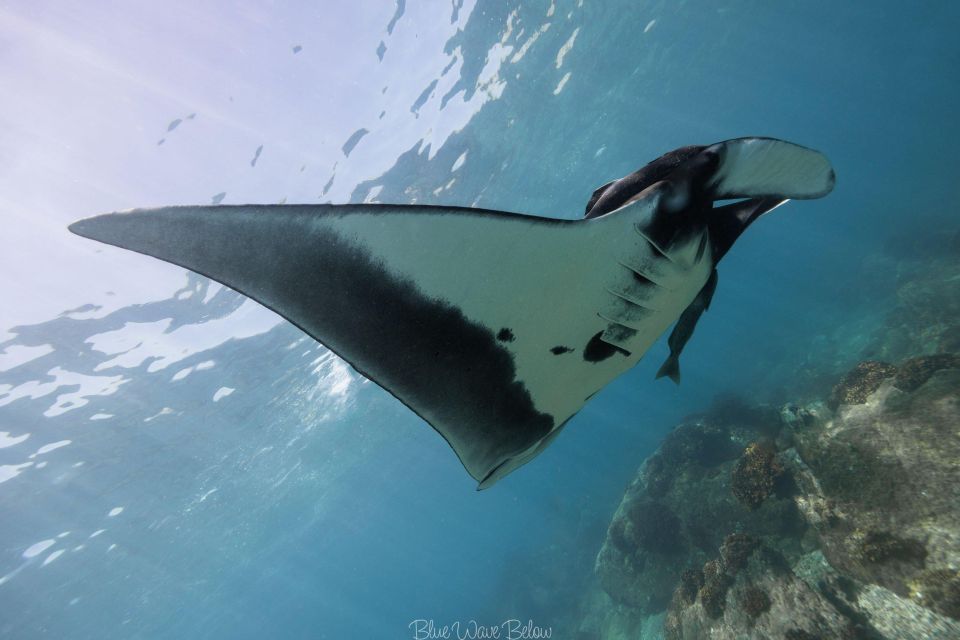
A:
(845, 525)
(679, 509)
(736, 550)
(755, 474)
(912, 373)
(858, 384)
(835, 516)
(754, 601)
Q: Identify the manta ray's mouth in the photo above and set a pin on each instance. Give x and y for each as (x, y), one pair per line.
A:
(728, 222)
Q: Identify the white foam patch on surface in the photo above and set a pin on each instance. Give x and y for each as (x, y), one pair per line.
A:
(490, 83)
(374, 192)
(11, 471)
(128, 337)
(18, 354)
(6, 440)
(459, 161)
(294, 344)
(567, 46)
(136, 343)
(522, 51)
(101, 416)
(41, 465)
(89, 386)
(222, 392)
(53, 446)
(53, 556)
(163, 412)
(562, 84)
(649, 26)
(180, 375)
(97, 533)
(115, 512)
(38, 547)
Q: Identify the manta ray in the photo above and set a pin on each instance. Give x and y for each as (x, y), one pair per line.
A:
(494, 327)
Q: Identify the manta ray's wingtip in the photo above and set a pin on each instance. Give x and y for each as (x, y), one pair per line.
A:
(79, 227)
(94, 227)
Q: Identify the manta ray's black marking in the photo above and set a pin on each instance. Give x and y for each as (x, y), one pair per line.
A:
(470, 380)
(597, 350)
(461, 313)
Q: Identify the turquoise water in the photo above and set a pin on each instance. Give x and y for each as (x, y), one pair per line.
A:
(176, 462)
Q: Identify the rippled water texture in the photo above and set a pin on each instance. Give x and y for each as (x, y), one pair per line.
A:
(178, 462)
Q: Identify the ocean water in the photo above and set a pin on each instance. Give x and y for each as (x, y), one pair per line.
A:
(178, 462)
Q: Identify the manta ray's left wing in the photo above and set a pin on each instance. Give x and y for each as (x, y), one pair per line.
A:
(487, 324)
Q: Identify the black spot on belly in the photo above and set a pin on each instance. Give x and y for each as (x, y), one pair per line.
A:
(597, 350)
(506, 335)
(560, 350)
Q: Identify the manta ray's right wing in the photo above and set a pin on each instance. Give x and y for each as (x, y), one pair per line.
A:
(486, 324)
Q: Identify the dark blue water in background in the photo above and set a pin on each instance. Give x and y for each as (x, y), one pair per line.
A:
(309, 504)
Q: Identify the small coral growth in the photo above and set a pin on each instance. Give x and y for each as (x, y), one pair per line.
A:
(754, 601)
(736, 549)
(858, 384)
(755, 474)
(883, 546)
(912, 373)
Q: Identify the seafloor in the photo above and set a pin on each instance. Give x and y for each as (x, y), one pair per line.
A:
(833, 513)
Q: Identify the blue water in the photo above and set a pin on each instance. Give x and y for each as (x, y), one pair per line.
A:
(306, 503)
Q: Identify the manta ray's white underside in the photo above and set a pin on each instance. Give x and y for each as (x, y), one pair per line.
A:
(542, 289)
(494, 327)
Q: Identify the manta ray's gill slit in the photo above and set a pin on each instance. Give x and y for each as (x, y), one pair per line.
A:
(642, 277)
(653, 244)
(625, 297)
(618, 334)
(620, 322)
(701, 249)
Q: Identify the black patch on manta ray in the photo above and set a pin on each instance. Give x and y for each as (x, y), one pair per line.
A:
(614, 195)
(597, 350)
(448, 369)
(506, 335)
(560, 350)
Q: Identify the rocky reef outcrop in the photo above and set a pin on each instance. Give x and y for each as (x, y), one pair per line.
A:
(803, 522)
(834, 516)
